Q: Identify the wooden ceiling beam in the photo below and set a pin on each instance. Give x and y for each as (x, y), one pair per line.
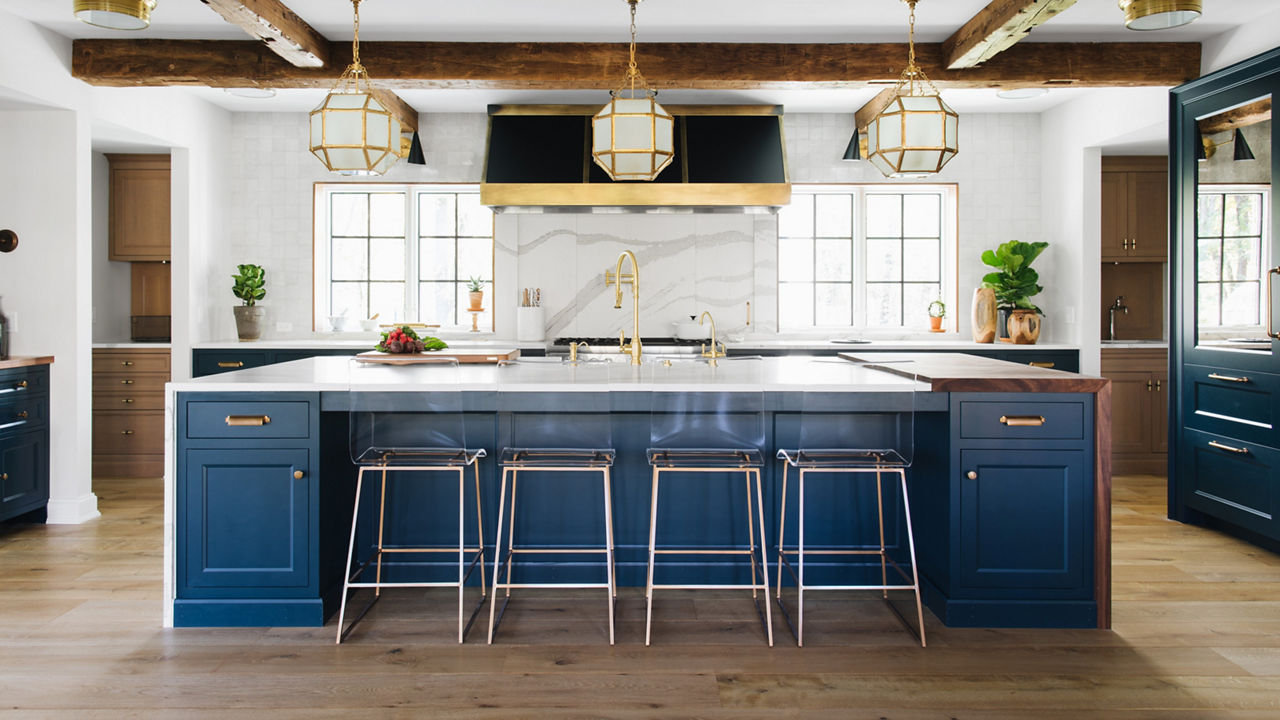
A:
(286, 34)
(1243, 116)
(996, 28)
(868, 112)
(403, 111)
(598, 66)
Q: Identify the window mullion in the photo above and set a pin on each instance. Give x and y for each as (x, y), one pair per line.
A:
(411, 309)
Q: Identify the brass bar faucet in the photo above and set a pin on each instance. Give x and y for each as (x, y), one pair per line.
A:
(617, 278)
(1119, 306)
(713, 353)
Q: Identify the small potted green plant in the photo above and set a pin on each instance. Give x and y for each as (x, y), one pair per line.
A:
(250, 287)
(937, 311)
(1015, 283)
(476, 294)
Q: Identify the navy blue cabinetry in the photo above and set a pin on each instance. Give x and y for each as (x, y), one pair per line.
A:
(24, 442)
(211, 362)
(260, 491)
(1006, 526)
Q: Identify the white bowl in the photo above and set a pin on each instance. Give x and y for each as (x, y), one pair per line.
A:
(368, 325)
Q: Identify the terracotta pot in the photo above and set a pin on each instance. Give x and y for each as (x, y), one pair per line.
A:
(1024, 327)
(477, 298)
(249, 321)
(935, 324)
(984, 315)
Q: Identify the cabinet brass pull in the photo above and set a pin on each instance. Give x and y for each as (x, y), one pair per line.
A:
(1228, 448)
(1022, 420)
(1228, 378)
(1271, 333)
(126, 432)
(126, 382)
(22, 385)
(1033, 363)
(231, 364)
(972, 475)
(247, 420)
(4, 476)
(1157, 386)
(127, 401)
(1150, 385)
(22, 415)
(127, 363)
(297, 474)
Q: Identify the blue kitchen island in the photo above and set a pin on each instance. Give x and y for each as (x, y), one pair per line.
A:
(1012, 521)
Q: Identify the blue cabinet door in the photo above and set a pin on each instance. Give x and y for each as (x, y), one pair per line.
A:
(1026, 521)
(24, 473)
(246, 523)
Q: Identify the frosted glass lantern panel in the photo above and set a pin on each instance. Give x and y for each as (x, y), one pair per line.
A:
(351, 101)
(346, 158)
(384, 162)
(627, 105)
(663, 129)
(924, 130)
(634, 163)
(343, 128)
(600, 137)
(317, 128)
(881, 164)
(890, 132)
(633, 133)
(379, 132)
(953, 130)
(914, 161)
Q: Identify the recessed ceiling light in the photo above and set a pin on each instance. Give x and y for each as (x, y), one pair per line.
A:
(115, 14)
(1021, 93)
(254, 93)
(1158, 14)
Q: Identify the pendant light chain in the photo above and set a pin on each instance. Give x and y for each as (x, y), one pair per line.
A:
(632, 69)
(913, 76)
(355, 42)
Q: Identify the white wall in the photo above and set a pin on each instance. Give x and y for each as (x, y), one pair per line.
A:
(1240, 43)
(271, 199)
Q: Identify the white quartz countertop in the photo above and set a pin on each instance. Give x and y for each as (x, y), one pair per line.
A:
(942, 342)
(1135, 344)
(340, 374)
(127, 345)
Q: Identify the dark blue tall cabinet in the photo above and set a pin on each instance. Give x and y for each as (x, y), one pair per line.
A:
(1225, 354)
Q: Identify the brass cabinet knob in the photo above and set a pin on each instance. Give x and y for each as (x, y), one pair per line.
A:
(972, 475)
(126, 382)
(127, 363)
(22, 415)
(4, 476)
(127, 401)
(126, 432)
(22, 384)
(297, 474)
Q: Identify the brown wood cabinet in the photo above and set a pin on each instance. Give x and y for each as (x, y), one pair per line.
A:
(1135, 209)
(1141, 284)
(138, 227)
(128, 411)
(149, 288)
(1139, 408)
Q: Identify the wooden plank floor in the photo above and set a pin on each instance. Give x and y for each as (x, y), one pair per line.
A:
(1197, 635)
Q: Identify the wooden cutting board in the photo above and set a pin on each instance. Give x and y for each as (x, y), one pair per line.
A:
(464, 356)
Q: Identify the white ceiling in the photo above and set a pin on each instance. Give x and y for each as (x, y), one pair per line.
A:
(658, 20)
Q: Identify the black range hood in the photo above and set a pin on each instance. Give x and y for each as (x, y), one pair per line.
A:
(725, 156)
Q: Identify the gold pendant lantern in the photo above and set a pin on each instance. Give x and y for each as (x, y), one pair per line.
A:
(115, 14)
(917, 133)
(632, 137)
(351, 131)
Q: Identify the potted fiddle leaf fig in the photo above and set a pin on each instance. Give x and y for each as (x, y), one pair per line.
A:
(1015, 283)
(249, 287)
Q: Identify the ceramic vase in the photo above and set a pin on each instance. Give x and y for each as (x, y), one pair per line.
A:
(984, 315)
(1024, 327)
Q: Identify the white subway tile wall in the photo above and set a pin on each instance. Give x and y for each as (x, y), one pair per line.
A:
(688, 262)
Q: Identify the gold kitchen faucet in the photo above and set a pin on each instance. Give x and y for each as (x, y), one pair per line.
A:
(616, 279)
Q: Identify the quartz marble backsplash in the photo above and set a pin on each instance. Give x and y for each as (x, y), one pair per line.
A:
(688, 264)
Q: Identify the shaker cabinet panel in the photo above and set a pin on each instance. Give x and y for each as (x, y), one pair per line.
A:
(138, 224)
(1134, 206)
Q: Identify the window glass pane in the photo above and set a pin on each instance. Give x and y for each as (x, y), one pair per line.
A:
(796, 219)
(922, 260)
(795, 305)
(474, 219)
(435, 259)
(884, 260)
(475, 257)
(386, 256)
(1240, 303)
(436, 303)
(350, 259)
(915, 304)
(435, 214)
(349, 298)
(922, 216)
(835, 259)
(349, 214)
(387, 299)
(1208, 299)
(795, 259)
(1242, 215)
(1208, 259)
(834, 215)
(884, 305)
(834, 305)
(386, 214)
(884, 216)
(1209, 215)
(1240, 259)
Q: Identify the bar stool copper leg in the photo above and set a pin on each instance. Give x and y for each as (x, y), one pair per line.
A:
(884, 575)
(911, 545)
(782, 527)
(382, 508)
(511, 531)
(480, 531)
(351, 548)
(462, 545)
(653, 528)
(497, 544)
(764, 561)
(612, 590)
(751, 535)
(800, 550)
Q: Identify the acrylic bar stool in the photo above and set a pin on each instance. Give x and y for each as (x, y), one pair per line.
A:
(709, 420)
(392, 444)
(836, 441)
(547, 446)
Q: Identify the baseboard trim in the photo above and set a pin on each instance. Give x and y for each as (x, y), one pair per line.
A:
(73, 511)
